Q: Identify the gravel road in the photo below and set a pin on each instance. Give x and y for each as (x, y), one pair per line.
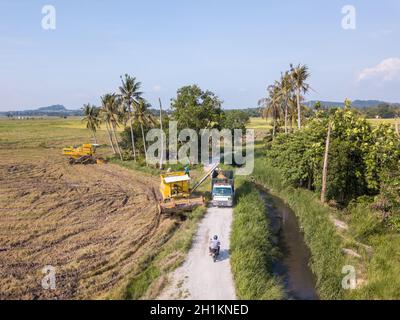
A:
(199, 278)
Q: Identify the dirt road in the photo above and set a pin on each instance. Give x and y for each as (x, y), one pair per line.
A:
(199, 278)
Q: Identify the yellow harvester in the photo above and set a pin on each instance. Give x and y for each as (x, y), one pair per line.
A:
(84, 154)
(177, 194)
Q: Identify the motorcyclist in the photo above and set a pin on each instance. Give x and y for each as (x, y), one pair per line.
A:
(215, 244)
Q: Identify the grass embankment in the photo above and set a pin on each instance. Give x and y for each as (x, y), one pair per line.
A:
(320, 234)
(252, 253)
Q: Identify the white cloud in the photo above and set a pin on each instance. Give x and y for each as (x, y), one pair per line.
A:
(387, 70)
(157, 88)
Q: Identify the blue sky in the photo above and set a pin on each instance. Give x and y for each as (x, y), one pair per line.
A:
(234, 48)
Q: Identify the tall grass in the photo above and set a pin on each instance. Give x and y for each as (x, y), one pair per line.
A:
(252, 253)
(320, 235)
(383, 270)
(382, 263)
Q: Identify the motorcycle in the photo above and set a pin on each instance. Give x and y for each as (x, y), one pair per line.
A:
(214, 254)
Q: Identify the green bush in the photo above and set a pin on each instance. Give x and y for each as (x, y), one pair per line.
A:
(358, 155)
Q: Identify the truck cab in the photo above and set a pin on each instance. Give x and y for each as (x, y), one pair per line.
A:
(222, 195)
(222, 189)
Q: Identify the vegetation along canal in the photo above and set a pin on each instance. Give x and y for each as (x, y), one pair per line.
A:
(293, 266)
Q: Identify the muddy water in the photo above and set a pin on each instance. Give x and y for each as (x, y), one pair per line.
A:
(293, 267)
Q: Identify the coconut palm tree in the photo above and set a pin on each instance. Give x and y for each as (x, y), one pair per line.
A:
(105, 118)
(145, 119)
(110, 113)
(299, 76)
(271, 106)
(122, 113)
(292, 111)
(129, 92)
(91, 117)
(285, 91)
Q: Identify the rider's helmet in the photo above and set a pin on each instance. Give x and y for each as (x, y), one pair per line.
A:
(215, 237)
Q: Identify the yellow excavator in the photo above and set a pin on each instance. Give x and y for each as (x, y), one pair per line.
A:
(84, 154)
(177, 196)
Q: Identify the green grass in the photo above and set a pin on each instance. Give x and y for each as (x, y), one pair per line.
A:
(170, 257)
(135, 166)
(382, 270)
(252, 253)
(382, 266)
(320, 235)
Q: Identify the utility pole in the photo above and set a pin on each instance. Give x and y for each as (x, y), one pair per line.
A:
(326, 159)
(162, 137)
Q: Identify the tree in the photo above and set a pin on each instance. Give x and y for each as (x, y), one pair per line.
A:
(104, 116)
(123, 113)
(235, 119)
(285, 91)
(299, 76)
(317, 106)
(292, 111)
(91, 117)
(162, 140)
(129, 91)
(196, 109)
(145, 119)
(347, 103)
(356, 154)
(110, 111)
(272, 105)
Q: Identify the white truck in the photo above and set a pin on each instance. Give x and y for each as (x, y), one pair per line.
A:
(222, 188)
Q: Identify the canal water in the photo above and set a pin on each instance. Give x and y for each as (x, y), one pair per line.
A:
(293, 267)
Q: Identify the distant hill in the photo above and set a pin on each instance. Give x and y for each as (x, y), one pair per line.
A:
(53, 108)
(56, 110)
(361, 104)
